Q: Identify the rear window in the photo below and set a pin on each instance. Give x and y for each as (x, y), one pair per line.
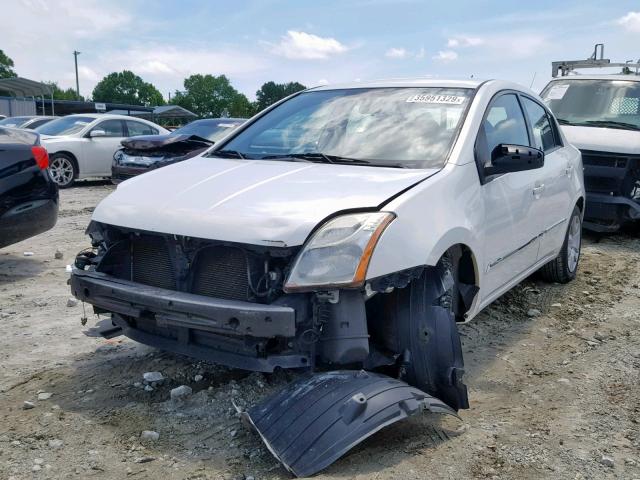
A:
(14, 122)
(65, 125)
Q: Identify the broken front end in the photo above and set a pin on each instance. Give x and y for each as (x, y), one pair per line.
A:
(240, 305)
(612, 181)
(144, 153)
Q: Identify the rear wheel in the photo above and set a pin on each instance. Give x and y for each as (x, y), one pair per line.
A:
(63, 170)
(563, 268)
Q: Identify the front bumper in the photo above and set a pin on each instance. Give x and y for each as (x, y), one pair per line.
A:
(120, 173)
(207, 328)
(606, 213)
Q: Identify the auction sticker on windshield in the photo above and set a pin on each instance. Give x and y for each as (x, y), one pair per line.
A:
(557, 92)
(432, 98)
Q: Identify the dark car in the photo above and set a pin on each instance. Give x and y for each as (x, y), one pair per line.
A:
(148, 152)
(28, 122)
(28, 195)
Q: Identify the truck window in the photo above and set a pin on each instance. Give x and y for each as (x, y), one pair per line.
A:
(596, 103)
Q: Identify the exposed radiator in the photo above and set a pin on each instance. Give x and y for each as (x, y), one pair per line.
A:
(221, 272)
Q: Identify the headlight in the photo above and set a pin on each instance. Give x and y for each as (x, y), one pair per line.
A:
(338, 253)
(117, 157)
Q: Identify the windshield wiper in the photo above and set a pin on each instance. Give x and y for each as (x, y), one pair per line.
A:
(320, 157)
(612, 124)
(227, 154)
(563, 121)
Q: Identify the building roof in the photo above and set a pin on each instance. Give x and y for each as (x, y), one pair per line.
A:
(173, 111)
(23, 87)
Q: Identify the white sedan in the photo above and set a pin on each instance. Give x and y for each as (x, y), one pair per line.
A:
(82, 145)
(349, 228)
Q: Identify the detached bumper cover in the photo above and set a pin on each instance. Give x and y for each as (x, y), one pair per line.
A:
(312, 422)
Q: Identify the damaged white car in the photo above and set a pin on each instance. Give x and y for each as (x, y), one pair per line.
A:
(344, 231)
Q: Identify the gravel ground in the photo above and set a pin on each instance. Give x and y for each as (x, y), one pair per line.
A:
(553, 375)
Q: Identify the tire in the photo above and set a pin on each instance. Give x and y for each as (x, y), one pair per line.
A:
(63, 169)
(426, 334)
(564, 267)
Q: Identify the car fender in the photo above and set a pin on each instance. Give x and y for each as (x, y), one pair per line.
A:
(442, 211)
(68, 146)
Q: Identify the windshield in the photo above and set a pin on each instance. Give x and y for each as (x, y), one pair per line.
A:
(595, 103)
(64, 126)
(14, 122)
(211, 130)
(403, 127)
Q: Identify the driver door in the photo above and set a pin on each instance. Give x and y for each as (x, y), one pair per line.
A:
(510, 229)
(98, 151)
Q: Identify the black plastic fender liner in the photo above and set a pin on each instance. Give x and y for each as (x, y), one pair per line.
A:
(312, 422)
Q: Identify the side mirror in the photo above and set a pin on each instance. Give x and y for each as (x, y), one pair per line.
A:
(514, 158)
(97, 133)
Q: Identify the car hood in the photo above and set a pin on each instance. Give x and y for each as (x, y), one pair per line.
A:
(603, 139)
(152, 142)
(259, 202)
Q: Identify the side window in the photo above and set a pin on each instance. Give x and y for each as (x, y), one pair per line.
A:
(37, 123)
(504, 123)
(543, 138)
(113, 128)
(139, 128)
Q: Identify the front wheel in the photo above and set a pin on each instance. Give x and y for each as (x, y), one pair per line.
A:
(423, 316)
(63, 170)
(563, 268)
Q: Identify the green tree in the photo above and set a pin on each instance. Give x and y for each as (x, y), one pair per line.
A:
(59, 94)
(6, 66)
(212, 96)
(271, 92)
(126, 87)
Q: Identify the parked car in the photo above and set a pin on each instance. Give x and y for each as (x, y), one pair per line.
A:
(82, 146)
(28, 122)
(28, 195)
(600, 114)
(348, 227)
(148, 152)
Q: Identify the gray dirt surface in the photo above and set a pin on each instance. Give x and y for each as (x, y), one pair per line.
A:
(552, 395)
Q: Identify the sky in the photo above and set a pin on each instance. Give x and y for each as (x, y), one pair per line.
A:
(312, 42)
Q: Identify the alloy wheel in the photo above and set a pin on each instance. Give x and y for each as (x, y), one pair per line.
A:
(573, 243)
(61, 170)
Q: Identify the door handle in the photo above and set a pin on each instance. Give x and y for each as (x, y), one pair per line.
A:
(537, 190)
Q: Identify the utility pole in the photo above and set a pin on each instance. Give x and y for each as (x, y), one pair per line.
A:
(75, 58)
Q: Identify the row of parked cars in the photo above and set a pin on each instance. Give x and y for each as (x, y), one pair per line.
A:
(40, 154)
(350, 228)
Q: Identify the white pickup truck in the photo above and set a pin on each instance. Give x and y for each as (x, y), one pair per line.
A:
(600, 114)
(345, 227)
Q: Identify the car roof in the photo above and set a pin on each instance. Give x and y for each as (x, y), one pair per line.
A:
(108, 116)
(405, 82)
(216, 120)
